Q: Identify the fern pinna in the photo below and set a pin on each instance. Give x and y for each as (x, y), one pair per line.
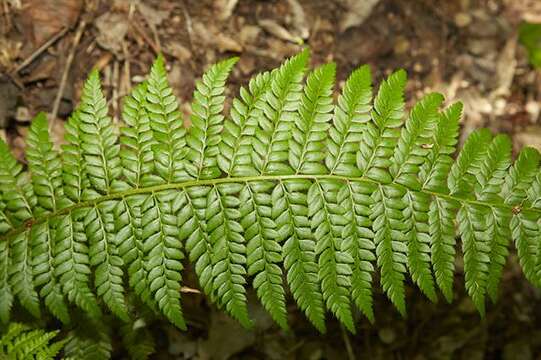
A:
(292, 193)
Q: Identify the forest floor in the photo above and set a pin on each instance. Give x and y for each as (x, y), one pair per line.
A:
(466, 49)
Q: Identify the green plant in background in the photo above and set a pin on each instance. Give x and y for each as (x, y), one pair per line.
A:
(22, 342)
(530, 38)
(291, 193)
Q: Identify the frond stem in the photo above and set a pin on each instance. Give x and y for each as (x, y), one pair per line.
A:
(210, 182)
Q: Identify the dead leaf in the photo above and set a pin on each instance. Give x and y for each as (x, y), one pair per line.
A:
(9, 51)
(8, 100)
(224, 8)
(152, 16)
(248, 34)
(531, 136)
(356, 13)
(47, 17)
(226, 337)
(112, 28)
(273, 28)
(226, 43)
(505, 67)
(299, 19)
(179, 51)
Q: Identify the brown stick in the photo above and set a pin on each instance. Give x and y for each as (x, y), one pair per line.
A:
(41, 49)
(64, 79)
(145, 37)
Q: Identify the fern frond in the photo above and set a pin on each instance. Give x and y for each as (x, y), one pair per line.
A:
(6, 292)
(290, 184)
(310, 127)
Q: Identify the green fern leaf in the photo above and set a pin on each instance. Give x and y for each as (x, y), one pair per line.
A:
(334, 263)
(137, 162)
(490, 178)
(358, 241)
(263, 248)
(228, 250)
(98, 139)
(193, 231)
(167, 128)
(271, 140)
(235, 153)
(307, 141)
(207, 121)
(351, 113)
(290, 183)
(164, 255)
(472, 217)
(102, 166)
(520, 189)
(45, 168)
(377, 146)
(6, 292)
(104, 256)
(72, 264)
(408, 158)
(21, 278)
(290, 213)
(442, 212)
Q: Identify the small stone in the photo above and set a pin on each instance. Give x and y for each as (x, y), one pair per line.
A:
(249, 34)
(401, 45)
(533, 109)
(137, 79)
(23, 115)
(462, 19)
(387, 335)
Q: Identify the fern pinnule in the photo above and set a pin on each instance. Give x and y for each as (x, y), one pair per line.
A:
(207, 121)
(46, 172)
(18, 200)
(235, 153)
(351, 113)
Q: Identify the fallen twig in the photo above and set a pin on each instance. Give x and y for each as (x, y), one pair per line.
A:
(64, 79)
(145, 37)
(347, 343)
(41, 49)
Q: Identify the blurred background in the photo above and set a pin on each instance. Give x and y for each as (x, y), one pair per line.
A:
(486, 53)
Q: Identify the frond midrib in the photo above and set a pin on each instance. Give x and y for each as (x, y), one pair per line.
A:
(245, 179)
